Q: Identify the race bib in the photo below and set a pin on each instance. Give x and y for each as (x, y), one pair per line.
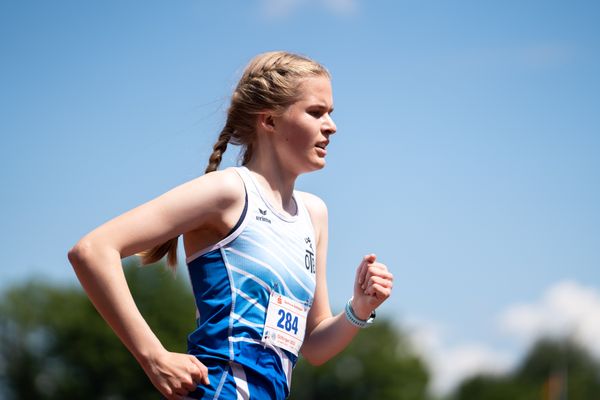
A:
(286, 323)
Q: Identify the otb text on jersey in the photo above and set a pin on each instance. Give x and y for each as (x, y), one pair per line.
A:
(309, 258)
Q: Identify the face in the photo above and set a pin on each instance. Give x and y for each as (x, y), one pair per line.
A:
(302, 131)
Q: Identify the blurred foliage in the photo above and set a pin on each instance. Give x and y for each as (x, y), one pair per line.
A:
(378, 364)
(552, 370)
(54, 345)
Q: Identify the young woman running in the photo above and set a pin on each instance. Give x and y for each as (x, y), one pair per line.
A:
(256, 249)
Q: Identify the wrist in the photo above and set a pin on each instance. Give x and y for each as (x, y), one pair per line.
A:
(356, 320)
(149, 354)
(361, 312)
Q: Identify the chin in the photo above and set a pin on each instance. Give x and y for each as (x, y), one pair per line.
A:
(319, 165)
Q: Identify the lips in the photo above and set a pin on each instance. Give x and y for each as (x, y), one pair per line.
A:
(322, 145)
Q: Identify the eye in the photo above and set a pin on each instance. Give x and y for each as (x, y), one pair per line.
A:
(315, 113)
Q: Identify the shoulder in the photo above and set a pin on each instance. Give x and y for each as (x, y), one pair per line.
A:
(207, 195)
(315, 206)
(225, 185)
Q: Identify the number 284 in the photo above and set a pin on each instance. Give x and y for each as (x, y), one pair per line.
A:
(287, 321)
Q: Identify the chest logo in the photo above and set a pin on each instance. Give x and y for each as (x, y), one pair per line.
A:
(262, 217)
(309, 257)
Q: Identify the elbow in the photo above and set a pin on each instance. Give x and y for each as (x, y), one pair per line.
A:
(316, 361)
(79, 253)
(314, 358)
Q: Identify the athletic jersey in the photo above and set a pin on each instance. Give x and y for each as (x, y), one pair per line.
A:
(267, 251)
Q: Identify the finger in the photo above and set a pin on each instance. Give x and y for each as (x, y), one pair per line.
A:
(174, 396)
(373, 269)
(386, 283)
(201, 374)
(200, 377)
(385, 276)
(374, 272)
(181, 392)
(378, 291)
(369, 259)
(360, 272)
(189, 385)
(377, 266)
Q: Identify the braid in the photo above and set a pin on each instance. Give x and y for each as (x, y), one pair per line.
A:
(157, 252)
(269, 82)
(218, 149)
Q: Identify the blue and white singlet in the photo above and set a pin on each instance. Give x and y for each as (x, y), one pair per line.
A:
(232, 281)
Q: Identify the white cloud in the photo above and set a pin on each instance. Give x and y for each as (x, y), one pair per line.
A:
(341, 7)
(566, 309)
(451, 364)
(279, 8)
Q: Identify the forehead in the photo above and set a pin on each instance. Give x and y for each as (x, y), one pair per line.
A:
(316, 90)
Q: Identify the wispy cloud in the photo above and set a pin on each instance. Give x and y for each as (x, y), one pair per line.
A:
(273, 9)
(451, 364)
(341, 7)
(566, 309)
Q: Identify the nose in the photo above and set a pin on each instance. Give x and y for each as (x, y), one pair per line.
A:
(329, 126)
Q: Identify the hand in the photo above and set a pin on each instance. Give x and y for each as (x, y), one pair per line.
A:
(175, 374)
(372, 286)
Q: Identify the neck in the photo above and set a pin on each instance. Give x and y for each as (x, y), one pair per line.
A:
(275, 181)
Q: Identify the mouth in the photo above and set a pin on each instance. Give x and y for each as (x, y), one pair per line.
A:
(322, 145)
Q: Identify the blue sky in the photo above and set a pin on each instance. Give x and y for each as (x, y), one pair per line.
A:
(466, 155)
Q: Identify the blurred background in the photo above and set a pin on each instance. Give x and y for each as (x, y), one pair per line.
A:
(466, 158)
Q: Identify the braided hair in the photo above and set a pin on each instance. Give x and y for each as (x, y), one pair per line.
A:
(269, 82)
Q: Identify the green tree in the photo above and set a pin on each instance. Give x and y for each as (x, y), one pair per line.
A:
(552, 369)
(378, 364)
(56, 346)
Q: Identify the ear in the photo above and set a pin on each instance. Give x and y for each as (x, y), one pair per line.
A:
(266, 121)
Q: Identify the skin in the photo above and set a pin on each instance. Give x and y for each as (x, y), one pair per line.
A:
(204, 210)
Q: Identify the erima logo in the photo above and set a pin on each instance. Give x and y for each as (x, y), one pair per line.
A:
(262, 217)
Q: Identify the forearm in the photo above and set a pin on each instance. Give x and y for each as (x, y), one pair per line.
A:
(328, 338)
(101, 274)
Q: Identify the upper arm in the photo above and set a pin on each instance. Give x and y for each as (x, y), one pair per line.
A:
(318, 213)
(194, 204)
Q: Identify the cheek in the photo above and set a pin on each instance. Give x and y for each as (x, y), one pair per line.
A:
(303, 134)
(299, 140)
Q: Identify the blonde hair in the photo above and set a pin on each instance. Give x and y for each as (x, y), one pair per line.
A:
(270, 81)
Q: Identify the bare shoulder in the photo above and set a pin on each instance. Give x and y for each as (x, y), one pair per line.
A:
(207, 201)
(223, 186)
(316, 207)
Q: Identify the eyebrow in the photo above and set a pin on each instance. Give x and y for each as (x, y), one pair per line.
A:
(323, 106)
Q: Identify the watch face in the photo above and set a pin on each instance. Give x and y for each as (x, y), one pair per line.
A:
(371, 317)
